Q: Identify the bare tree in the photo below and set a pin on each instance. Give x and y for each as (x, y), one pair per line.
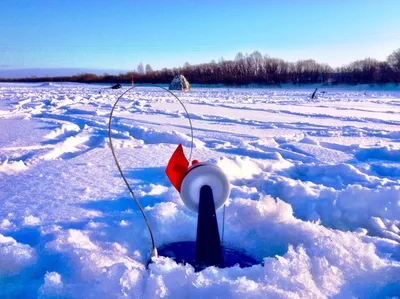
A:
(149, 69)
(260, 69)
(394, 62)
(140, 68)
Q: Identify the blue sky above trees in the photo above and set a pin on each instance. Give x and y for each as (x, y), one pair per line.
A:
(120, 34)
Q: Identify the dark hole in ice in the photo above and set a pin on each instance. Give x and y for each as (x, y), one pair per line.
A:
(185, 253)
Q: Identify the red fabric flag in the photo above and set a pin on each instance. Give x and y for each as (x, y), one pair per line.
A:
(177, 167)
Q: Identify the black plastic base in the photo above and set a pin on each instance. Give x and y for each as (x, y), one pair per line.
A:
(208, 243)
(185, 253)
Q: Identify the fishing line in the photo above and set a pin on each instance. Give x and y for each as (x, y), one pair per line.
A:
(154, 249)
(223, 227)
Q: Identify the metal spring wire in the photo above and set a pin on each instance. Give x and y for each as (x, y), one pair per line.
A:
(154, 249)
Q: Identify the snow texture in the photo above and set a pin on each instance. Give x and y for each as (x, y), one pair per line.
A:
(315, 193)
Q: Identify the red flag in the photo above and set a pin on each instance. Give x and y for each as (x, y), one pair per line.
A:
(177, 167)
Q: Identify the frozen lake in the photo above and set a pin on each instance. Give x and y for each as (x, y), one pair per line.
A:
(315, 191)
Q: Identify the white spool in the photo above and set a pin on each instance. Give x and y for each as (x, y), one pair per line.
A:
(202, 174)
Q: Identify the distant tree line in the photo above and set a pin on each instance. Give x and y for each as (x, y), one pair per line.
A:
(253, 68)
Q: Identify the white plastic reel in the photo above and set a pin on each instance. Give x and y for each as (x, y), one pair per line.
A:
(202, 174)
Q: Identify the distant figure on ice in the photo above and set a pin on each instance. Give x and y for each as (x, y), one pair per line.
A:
(313, 95)
(116, 86)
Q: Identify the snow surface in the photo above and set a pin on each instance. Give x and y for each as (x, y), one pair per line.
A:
(315, 192)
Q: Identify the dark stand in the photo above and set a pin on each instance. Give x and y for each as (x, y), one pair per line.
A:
(208, 243)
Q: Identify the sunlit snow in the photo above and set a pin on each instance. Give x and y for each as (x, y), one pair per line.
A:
(315, 191)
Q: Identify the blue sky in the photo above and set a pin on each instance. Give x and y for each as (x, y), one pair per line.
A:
(119, 34)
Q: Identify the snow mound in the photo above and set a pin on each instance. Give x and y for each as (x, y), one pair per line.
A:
(65, 131)
(380, 153)
(62, 84)
(309, 261)
(93, 263)
(52, 287)
(31, 220)
(49, 84)
(14, 256)
(12, 167)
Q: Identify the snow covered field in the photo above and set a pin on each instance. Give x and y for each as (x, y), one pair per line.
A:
(315, 192)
